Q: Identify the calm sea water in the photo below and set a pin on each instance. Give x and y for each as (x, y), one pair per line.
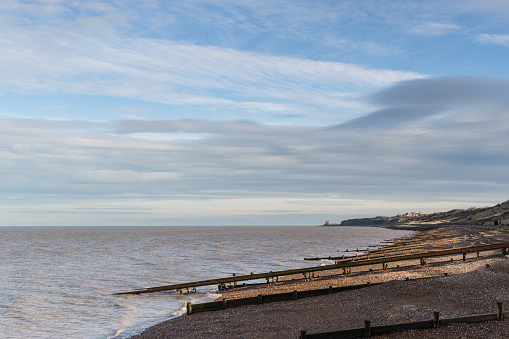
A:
(58, 282)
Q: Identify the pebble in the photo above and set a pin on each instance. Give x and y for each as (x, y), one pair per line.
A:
(470, 288)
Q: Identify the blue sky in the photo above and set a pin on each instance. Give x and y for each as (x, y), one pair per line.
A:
(250, 112)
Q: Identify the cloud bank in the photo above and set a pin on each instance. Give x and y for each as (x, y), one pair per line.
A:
(417, 100)
(445, 138)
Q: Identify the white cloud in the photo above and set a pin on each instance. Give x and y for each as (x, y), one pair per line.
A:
(495, 8)
(493, 39)
(435, 28)
(180, 73)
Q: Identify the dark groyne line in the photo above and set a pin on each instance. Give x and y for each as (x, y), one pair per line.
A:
(308, 270)
(413, 243)
(269, 298)
(368, 331)
(367, 253)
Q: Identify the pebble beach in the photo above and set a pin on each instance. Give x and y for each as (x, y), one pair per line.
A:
(410, 292)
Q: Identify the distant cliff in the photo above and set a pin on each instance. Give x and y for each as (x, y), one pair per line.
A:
(496, 215)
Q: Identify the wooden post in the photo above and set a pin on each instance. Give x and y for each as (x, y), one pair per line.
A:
(295, 295)
(260, 299)
(225, 303)
(303, 334)
(330, 289)
(500, 313)
(436, 319)
(189, 308)
(367, 329)
(464, 256)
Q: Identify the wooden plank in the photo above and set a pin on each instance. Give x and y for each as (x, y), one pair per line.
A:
(401, 327)
(362, 262)
(212, 306)
(470, 319)
(372, 253)
(316, 269)
(353, 333)
(369, 252)
(242, 302)
(217, 305)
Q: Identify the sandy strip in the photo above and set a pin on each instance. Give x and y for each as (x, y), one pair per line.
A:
(469, 288)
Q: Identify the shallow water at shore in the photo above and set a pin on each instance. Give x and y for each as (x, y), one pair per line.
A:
(58, 281)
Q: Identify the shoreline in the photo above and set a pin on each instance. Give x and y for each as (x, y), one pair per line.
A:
(407, 300)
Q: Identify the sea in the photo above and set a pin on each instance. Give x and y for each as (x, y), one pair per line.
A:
(59, 282)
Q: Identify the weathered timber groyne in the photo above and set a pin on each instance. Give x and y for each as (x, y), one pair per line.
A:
(271, 276)
(367, 331)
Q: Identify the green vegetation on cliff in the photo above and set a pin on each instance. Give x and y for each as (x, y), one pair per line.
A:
(496, 215)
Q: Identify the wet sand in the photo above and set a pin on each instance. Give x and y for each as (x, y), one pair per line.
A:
(455, 288)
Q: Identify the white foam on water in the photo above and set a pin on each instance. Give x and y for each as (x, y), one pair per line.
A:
(142, 311)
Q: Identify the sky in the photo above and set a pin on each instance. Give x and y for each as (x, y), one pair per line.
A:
(250, 112)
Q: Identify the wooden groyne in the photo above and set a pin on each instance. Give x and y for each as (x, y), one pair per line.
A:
(371, 253)
(272, 276)
(414, 244)
(278, 297)
(269, 298)
(367, 331)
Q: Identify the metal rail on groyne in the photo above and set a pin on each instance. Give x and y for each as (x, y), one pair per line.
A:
(308, 270)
